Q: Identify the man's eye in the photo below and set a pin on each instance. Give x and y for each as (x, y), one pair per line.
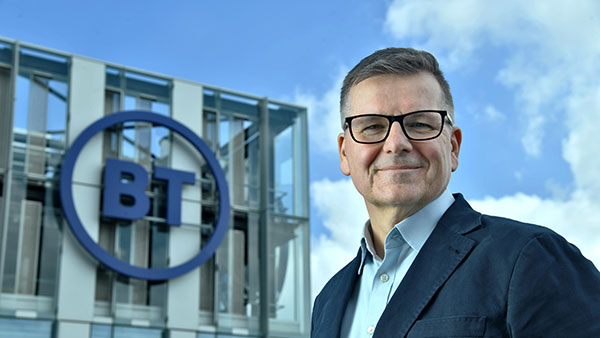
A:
(374, 126)
(371, 128)
(419, 126)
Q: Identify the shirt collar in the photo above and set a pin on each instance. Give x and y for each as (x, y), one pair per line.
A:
(414, 230)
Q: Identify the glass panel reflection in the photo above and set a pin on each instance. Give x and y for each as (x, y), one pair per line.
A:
(245, 163)
(288, 158)
(107, 331)
(5, 114)
(25, 328)
(30, 240)
(286, 258)
(33, 238)
(39, 124)
(237, 287)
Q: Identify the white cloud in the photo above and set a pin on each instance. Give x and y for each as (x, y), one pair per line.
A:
(493, 114)
(560, 192)
(552, 45)
(518, 175)
(323, 115)
(343, 212)
(551, 66)
(581, 148)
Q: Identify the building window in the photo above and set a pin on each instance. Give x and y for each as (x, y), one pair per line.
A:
(108, 331)
(5, 114)
(287, 222)
(288, 264)
(230, 282)
(232, 128)
(143, 242)
(238, 289)
(30, 238)
(289, 155)
(25, 328)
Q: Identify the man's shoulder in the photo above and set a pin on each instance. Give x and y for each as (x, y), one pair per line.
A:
(498, 236)
(510, 241)
(544, 269)
(502, 225)
(513, 232)
(465, 220)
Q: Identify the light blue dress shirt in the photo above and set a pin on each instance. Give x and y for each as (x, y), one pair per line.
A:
(379, 278)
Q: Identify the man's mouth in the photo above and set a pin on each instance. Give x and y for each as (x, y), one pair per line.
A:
(398, 167)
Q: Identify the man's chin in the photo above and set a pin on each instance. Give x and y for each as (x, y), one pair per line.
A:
(400, 198)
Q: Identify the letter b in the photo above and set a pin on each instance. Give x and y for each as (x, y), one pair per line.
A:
(124, 181)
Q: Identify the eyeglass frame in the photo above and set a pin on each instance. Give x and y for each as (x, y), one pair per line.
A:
(400, 119)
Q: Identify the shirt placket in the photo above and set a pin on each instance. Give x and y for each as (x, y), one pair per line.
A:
(382, 285)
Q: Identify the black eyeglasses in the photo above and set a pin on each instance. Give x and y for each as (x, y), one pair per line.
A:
(421, 125)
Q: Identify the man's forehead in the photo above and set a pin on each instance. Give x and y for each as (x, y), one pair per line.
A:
(413, 89)
(421, 76)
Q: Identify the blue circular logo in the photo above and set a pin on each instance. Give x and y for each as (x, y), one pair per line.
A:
(66, 197)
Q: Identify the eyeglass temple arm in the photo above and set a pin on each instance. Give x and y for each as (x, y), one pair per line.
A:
(449, 118)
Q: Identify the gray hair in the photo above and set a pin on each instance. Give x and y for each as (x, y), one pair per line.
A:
(399, 61)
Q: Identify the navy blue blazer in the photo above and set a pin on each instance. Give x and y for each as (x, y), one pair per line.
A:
(480, 276)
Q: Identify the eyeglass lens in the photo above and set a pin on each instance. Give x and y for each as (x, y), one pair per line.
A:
(417, 126)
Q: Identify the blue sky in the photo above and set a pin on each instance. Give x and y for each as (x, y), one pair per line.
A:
(525, 80)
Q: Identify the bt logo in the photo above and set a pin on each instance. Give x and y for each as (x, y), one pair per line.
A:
(124, 194)
(132, 188)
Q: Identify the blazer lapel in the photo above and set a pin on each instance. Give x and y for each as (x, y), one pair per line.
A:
(331, 314)
(445, 249)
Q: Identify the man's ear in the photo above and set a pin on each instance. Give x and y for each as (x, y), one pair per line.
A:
(342, 150)
(455, 141)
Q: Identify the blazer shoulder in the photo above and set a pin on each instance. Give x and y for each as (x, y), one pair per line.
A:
(462, 219)
(554, 283)
(514, 230)
(508, 239)
(528, 245)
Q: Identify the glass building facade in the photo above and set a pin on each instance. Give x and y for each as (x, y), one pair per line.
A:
(257, 282)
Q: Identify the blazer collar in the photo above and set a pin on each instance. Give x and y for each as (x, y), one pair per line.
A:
(445, 249)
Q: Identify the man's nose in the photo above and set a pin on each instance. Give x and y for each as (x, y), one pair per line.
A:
(396, 141)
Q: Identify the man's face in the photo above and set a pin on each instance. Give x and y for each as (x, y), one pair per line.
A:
(398, 172)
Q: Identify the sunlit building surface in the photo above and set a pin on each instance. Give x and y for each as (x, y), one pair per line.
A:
(257, 283)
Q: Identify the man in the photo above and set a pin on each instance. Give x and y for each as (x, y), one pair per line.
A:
(428, 264)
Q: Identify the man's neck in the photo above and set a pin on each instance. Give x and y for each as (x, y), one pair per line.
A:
(383, 220)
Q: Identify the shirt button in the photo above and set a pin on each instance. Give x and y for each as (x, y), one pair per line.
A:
(384, 277)
(371, 330)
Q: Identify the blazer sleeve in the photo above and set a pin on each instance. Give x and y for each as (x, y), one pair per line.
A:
(554, 291)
